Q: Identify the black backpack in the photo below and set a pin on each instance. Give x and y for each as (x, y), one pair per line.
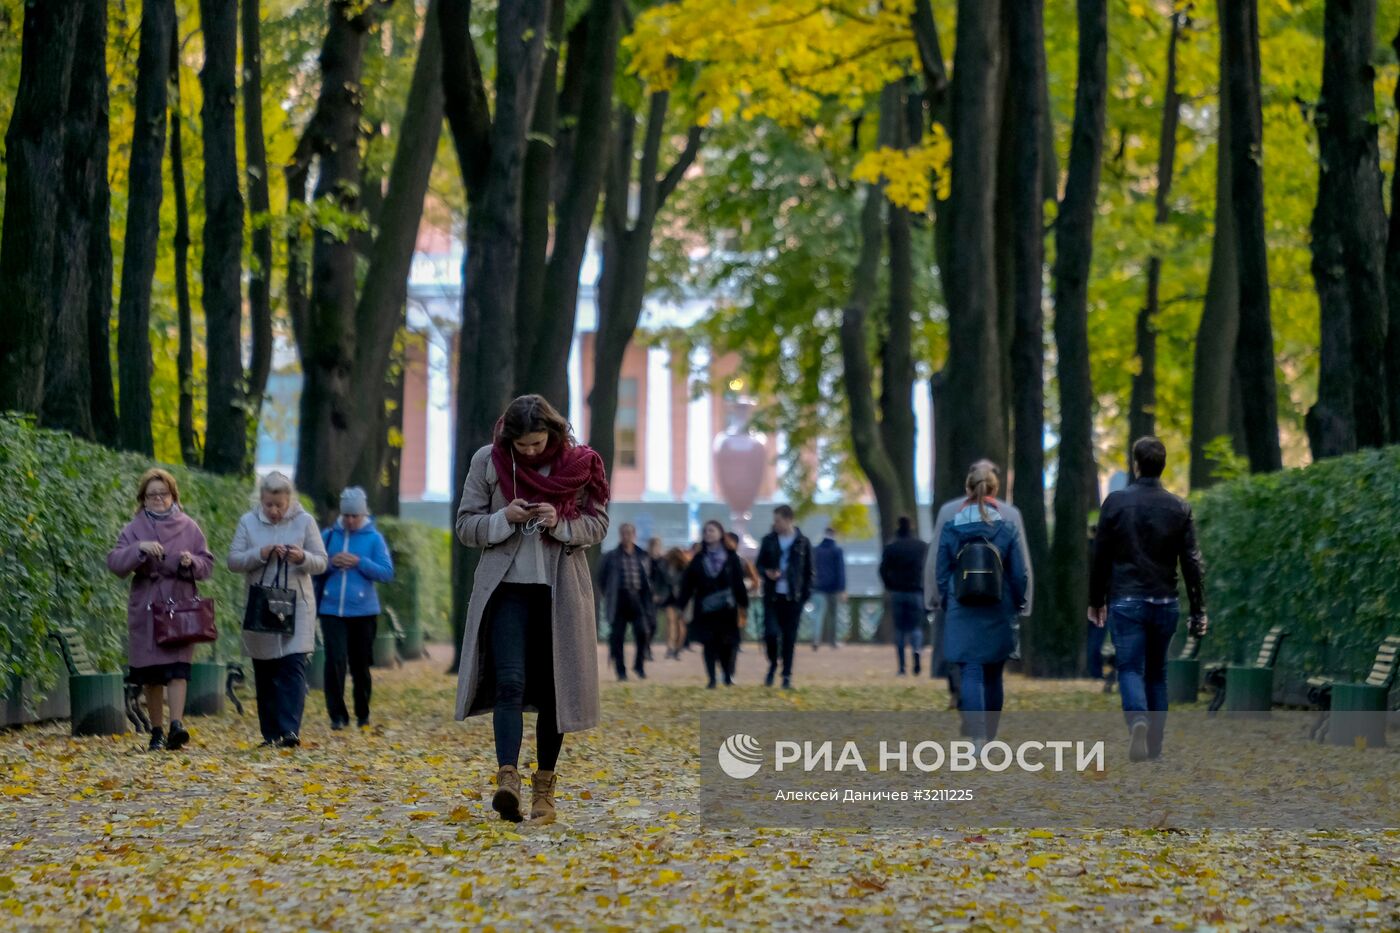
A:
(979, 574)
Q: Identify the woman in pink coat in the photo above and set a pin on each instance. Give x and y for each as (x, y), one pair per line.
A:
(164, 552)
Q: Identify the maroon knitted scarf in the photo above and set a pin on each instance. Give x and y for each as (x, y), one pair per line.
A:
(573, 469)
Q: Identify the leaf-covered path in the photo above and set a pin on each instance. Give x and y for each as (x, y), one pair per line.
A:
(392, 828)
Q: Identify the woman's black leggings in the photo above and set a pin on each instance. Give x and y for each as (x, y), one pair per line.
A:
(523, 649)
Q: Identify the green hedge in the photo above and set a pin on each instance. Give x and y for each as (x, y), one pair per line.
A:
(1315, 550)
(66, 504)
(421, 593)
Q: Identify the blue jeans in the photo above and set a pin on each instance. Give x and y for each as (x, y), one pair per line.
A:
(980, 699)
(1141, 633)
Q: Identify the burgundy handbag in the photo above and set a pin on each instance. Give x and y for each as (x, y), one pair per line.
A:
(180, 622)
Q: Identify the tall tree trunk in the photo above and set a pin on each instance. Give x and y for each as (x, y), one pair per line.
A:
(1076, 488)
(34, 180)
(535, 197)
(1348, 240)
(1028, 116)
(78, 370)
(492, 153)
(622, 281)
(383, 299)
(978, 422)
(259, 210)
(1392, 281)
(1254, 349)
(226, 432)
(1213, 373)
(143, 226)
(327, 354)
(857, 377)
(576, 204)
(184, 357)
(1142, 410)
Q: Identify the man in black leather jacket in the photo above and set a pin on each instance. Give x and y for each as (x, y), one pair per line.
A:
(785, 563)
(1144, 532)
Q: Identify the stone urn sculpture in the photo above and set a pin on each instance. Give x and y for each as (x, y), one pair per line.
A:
(741, 455)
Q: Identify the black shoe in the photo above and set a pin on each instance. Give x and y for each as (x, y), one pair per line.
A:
(772, 672)
(787, 683)
(268, 743)
(729, 681)
(290, 740)
(710, 685)
(178, 736)
(901, 672)
(157, 740)
(362, 722)
(916, 665)
(338, 724)
(1137, 743)
(641, 674)
(622, 675)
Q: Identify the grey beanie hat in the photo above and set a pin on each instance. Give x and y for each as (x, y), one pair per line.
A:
(353, 501)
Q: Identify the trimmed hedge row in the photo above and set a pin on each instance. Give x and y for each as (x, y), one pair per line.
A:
(68, 500)
(1315, 550)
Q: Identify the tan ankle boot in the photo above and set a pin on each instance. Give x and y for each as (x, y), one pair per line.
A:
(506, 801)
(542, 797)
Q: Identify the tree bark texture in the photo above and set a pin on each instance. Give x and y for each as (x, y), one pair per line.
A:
(1213, 372)
(34, 159)
(184, 357)
(1254, 349)
(259, 210)
(977, 426)
(1348, 240)
(78, 370)
(1142, 408)
(143, 226)
(1076, 488)
(1392, 284)
(1026, 102)
(226, 433)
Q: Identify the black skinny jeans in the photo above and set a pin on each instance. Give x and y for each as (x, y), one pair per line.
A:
(522, 648)
(780, 639)
(349, 643)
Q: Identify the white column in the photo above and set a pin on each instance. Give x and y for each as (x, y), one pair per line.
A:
(438, 483)
(576, 400)
(658, 415)
(700, 443)
(923, 447)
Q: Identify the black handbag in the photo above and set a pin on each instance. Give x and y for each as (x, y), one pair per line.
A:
(272, 609)
(718, 601)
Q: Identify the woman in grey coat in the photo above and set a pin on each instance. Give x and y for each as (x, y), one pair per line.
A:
(534, 500)
(277, 529)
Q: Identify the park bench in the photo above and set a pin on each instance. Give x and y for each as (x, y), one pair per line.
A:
(1253, 683)
(100, 702)
(1184, 672)
(1368, 696)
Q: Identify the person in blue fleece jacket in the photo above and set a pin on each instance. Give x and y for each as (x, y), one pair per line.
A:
(349, 604)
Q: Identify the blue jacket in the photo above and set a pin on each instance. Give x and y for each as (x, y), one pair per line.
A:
(830, 563)
(980, 634)
(350, 592)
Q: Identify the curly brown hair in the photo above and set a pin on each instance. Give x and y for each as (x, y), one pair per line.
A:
(531, 413)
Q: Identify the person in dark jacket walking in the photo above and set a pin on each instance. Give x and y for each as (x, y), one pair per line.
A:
(349, 604)
(625, 581)
(1144, 533)
(785, 563)
(829, 562)
(715, 581)
(978, 635)
(902, 573)
(667, 568)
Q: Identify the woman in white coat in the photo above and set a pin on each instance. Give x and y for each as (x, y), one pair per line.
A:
(277, 529)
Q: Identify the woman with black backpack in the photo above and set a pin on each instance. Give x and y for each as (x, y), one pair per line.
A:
(715, 580)
(982, 581)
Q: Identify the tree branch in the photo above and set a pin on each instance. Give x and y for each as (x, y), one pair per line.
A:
(464, 92)
(683, 162)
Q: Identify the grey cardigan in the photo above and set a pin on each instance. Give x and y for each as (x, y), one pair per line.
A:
(254, 532)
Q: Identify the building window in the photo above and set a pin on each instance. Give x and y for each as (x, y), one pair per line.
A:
(626, 438)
